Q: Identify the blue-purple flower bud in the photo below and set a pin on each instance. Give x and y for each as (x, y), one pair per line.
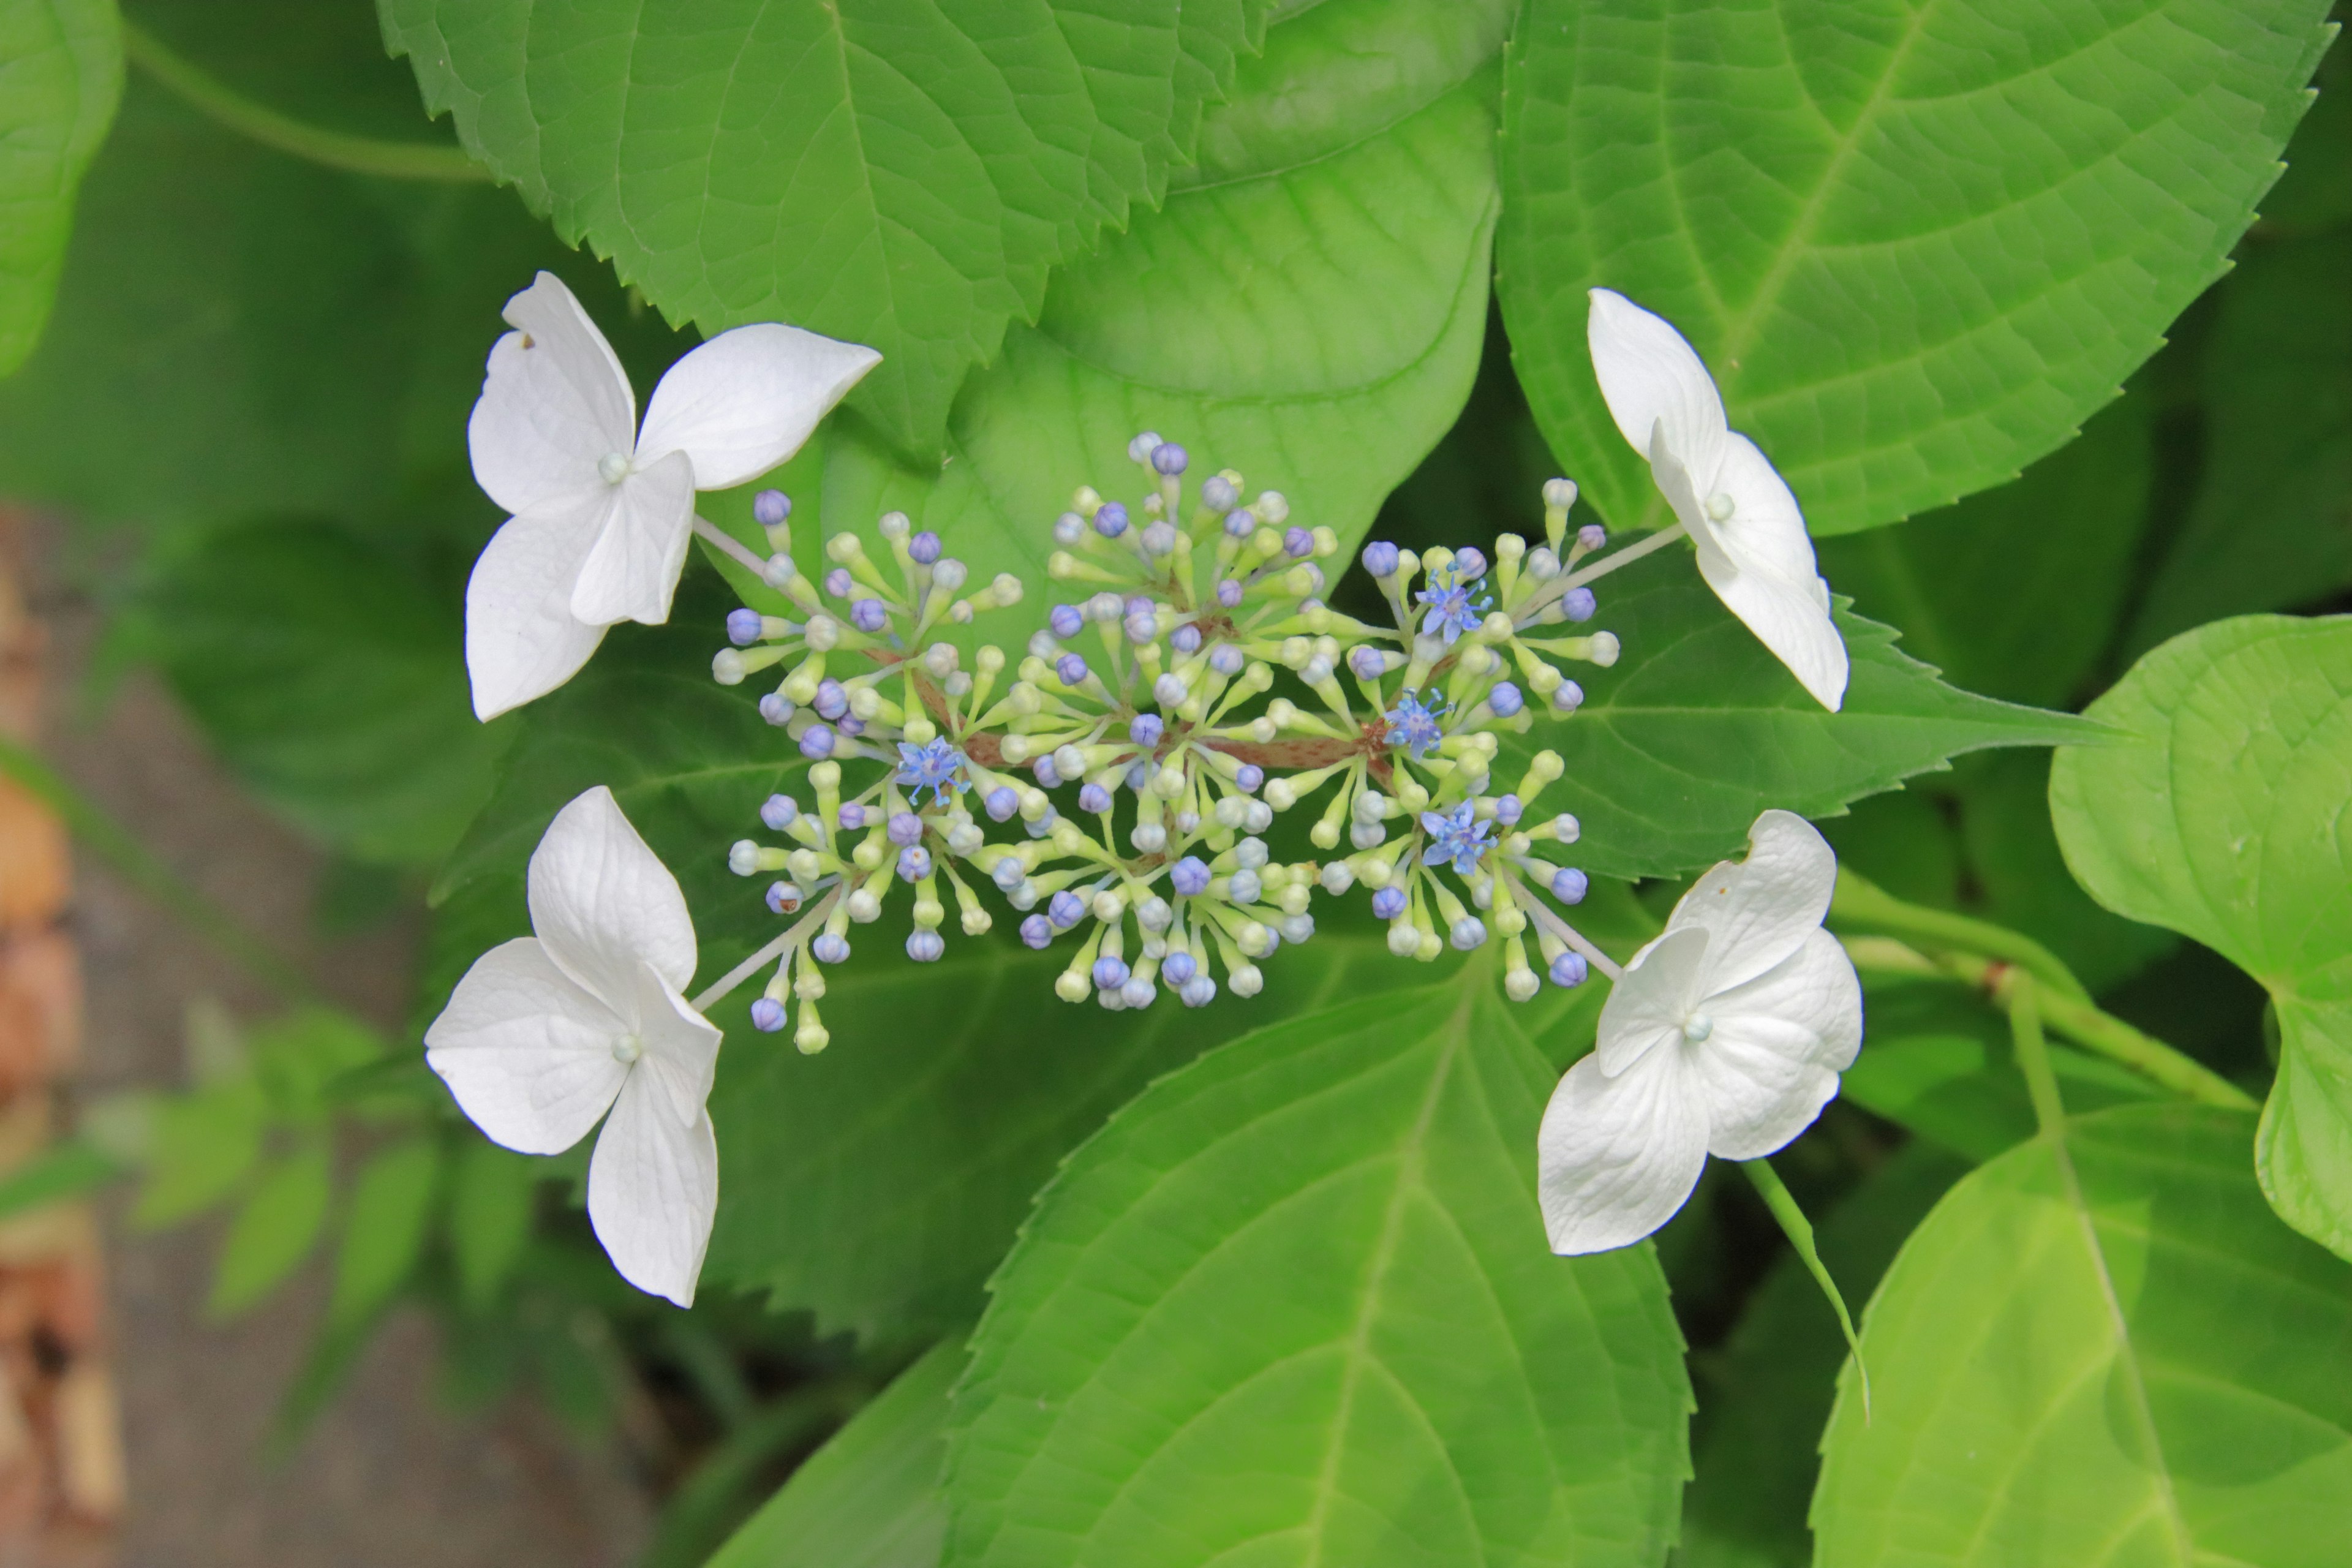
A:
(778, 811)
(1111, 972)
(1566, 697)
(924, 548)
(767, 1013)
(772, 508)
(839, 583)
(1248, 777)
(776, 709)
(869, 615)
(1569, 885)
(1141, 626)
(905, 828)
(1505, 700)
(830, 947)
(1048, 775)
(1380, 558)
(1001, 803)
(1111, 521)
(1592, 536)
(1145, 729)
(1366, 661)
(1168, 458)
(1067, 621)
(1388, 904)
(1241, 522)
(1219, 494)
(782, 897)
(1226, 660)
(1094, 797)
(1064, 909)
(1185, 639)
(1578, 604)
(853, 817)
(1199, 991)
(849, 724)
(1297, 543)
(925, 946)
(742, 628)
(1036, 930)
(1190, 877)
(1568, 969)
(1070, 669)
(816, 742)
(1508, 810)
(832, 699)
(1229, 593)
(1469, 564)
(1178, 967)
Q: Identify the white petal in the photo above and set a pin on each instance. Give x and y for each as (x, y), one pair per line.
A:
(1673, 481)
(554, 403)
(1652, 377)
(1761, 908)
(604, 903)
(522, 639)
(1778, 1043)
(527, 1052)
(1766, 529)
(631, 570)
(681, 1046)
(1790, 619)
(1645, 1009)
(1809, 1004)
(653, 1190)
(1616, 1157)
(746, 400)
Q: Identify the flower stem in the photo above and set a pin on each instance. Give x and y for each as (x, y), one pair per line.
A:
(720, 538)
(717, 991)
(2022, 998)
(1800, 1232)
(258, 122)
(1861, 902)
(2079, 1021)
(1625, 557)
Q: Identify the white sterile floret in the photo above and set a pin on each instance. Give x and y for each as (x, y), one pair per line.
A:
(603, 510)
(547, 1033)
(1726, 1036)
(1752, 546)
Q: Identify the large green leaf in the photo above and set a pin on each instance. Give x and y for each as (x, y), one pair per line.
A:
(2103, 1353)
(327, 671)
(60, 77)
(2223, 819)
(2271, 527)
(1763, 1400)
(1308, 309)
(1918, 241)
(1294, 1306)
(893, 175)
(870, 1498)
(1698, 728)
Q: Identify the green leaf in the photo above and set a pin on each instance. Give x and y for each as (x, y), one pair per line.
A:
(2316, 192)
(876, 1184)
(330, 674)
(490, 1208)
(2016, 591)
(891, 174)
(199, 1147)
(62, 1171)
(870, 1498)
(1917, 244)
(2101, 1353)
(2222, 820)
(383, 1230)
(1310, 311)
(1698, 728)
(60, 78)
(2271, 527)
(274, 1230)
(239, 333)
(1293, 1304)
(1763, 1400)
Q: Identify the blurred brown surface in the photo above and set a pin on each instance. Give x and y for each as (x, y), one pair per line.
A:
(387, 1476)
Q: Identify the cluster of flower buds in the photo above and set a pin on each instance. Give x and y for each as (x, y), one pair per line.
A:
(1119, 791)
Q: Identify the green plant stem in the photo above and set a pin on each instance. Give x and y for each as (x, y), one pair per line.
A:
(115, 845)
(1859, 901)
(2081, 1022)
(2023, 999)
(1800, 1232)
(259, 123)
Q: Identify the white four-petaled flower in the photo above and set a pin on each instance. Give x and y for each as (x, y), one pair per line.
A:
(1726, 1036)
(547, 1033)
(1752, 546)
(602, 510)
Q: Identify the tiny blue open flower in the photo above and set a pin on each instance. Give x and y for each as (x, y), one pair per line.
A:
(1455, 837)
(1453, 610)
(1413, 725)
(933, 766)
